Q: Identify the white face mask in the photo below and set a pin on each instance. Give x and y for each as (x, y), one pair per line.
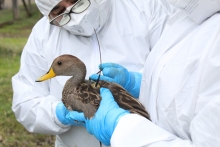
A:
(84, 23)
(197, 10)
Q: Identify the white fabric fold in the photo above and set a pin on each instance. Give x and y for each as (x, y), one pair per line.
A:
(197, 10)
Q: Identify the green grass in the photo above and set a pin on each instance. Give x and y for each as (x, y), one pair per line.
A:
(4, 17)
(12, 40)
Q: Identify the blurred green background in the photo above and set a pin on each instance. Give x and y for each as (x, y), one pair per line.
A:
(13, 37)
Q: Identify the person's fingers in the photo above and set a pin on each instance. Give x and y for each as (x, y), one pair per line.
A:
(104, 92)
(110, 72)
(75, 116)
(107, 98)
(107, 65)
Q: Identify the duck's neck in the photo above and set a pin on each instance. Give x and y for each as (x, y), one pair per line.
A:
(75, 80)
(79, 74)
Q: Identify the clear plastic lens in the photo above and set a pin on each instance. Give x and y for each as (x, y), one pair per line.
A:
(81, 6)
(65, 19)
(61, 19)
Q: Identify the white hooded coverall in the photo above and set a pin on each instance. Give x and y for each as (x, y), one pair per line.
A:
(131, 31)
(180, 86)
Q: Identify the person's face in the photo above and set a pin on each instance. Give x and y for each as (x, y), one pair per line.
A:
(61, 8)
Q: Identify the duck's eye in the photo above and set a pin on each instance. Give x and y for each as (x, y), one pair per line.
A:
(59, 62)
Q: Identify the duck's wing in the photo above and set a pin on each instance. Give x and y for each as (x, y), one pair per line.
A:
(84, 99)
(124, 99)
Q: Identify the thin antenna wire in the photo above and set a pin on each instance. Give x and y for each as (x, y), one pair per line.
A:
(100, 53)
(100, 59)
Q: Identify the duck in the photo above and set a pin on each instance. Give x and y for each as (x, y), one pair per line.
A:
(83, 95)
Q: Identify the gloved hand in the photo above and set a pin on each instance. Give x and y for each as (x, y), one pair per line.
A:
(67, 117)
(102, 125)
(112, 72)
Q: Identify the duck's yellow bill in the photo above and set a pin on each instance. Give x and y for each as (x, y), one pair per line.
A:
(50, 74)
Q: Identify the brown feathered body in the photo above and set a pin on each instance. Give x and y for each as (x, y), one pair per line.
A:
(81, 95)
(86, 98)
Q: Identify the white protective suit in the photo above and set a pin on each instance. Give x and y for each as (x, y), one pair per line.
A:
(180, 85)
(132, 29)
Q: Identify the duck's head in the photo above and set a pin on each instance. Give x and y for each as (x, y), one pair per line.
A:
(65, 65)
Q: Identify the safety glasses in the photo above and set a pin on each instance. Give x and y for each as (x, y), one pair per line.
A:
(79, 7)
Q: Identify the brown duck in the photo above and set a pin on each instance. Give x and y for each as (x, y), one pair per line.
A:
(82, 95)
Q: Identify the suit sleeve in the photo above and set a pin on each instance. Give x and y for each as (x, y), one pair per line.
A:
(134, 130)
(33, 105)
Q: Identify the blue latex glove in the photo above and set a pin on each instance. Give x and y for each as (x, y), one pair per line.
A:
(112, 72)
(102, 125)
(67, 117)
